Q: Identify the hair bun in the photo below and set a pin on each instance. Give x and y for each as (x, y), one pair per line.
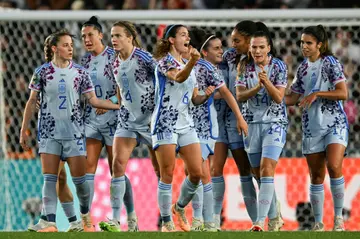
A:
(94, 19)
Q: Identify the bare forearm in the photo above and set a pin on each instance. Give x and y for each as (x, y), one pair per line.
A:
(199, 99)
(230, 100)
(103, 104)
(337, 94)
(244, 95)
(28, 113)
(183, 74)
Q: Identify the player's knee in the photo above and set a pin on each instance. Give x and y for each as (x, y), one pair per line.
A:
(317, 178)
(335, 171)
(195, 175)
(119, 166)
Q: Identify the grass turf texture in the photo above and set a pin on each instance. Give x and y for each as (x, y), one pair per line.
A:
(180, 235)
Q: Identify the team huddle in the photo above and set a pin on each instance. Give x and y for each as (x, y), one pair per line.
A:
(188, 98)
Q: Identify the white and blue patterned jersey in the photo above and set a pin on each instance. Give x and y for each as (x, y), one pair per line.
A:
(260, 108)
(100, 70)
(204, 115)
(172, 99)
(135, 78)
(324, 115)
(61, 115)
(229, 69)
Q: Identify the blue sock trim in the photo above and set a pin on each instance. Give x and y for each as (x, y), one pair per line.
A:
(117, 180)
(72, 219)
(90, 177)
(337, 181)
(50, 178)
(166, 219)
(267, 180)
(51, 217)
(79, 180)
(207, 187)
(164, 186)
(218, 179)
(316, 187)
(245, 179)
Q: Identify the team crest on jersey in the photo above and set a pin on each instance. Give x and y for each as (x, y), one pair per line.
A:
(62, 88)
(125, 80)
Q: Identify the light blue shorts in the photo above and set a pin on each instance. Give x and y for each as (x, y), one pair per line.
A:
(235, 140)
(142, 137)
(181, 140)
(207, 147)
(223, 137)
(64, 148)
(104, 134)
(319, 143)
(261, 135)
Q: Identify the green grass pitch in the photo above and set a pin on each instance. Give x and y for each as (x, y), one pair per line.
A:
(180, 235)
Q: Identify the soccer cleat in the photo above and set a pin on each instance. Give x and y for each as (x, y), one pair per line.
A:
(86, 222)
(168, 227)
(339, 224)
(209, 227)
(180, 215)
(217, 221)
(196, 225)
(75, 227)
(110, 226)
(132, 224)
(275, 224)
(318, 227)
(38, 226)
(49, 227)
(257, 227)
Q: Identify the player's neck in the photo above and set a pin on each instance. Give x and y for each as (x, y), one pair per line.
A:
(126, 53)
(176, 55)
(314, 57)
(99, 50)
(60, 63)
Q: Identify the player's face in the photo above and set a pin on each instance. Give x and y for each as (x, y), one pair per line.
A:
(259, 49)
(120, 40)
(91, 38)
(181, 40)
(309, 46)
(64, 48)
(214, 51)
(240, 42)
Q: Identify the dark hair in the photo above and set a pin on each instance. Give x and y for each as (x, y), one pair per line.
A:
(320, 34)
(163, 45)
(200, 39)
(130, 31)
(53, 40)
(261, 27)
(246, 27)
(94, 22)
(47, 49)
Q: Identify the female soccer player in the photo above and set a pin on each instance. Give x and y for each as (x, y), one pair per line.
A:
(134, 74)
(261, 86)
(172, 124)
(320, 80)
(205, 119)
(61, 125)
(100, 125)
(62, 189)
(229, 138)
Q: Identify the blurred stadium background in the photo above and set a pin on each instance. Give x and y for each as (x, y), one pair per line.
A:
(21, 39)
